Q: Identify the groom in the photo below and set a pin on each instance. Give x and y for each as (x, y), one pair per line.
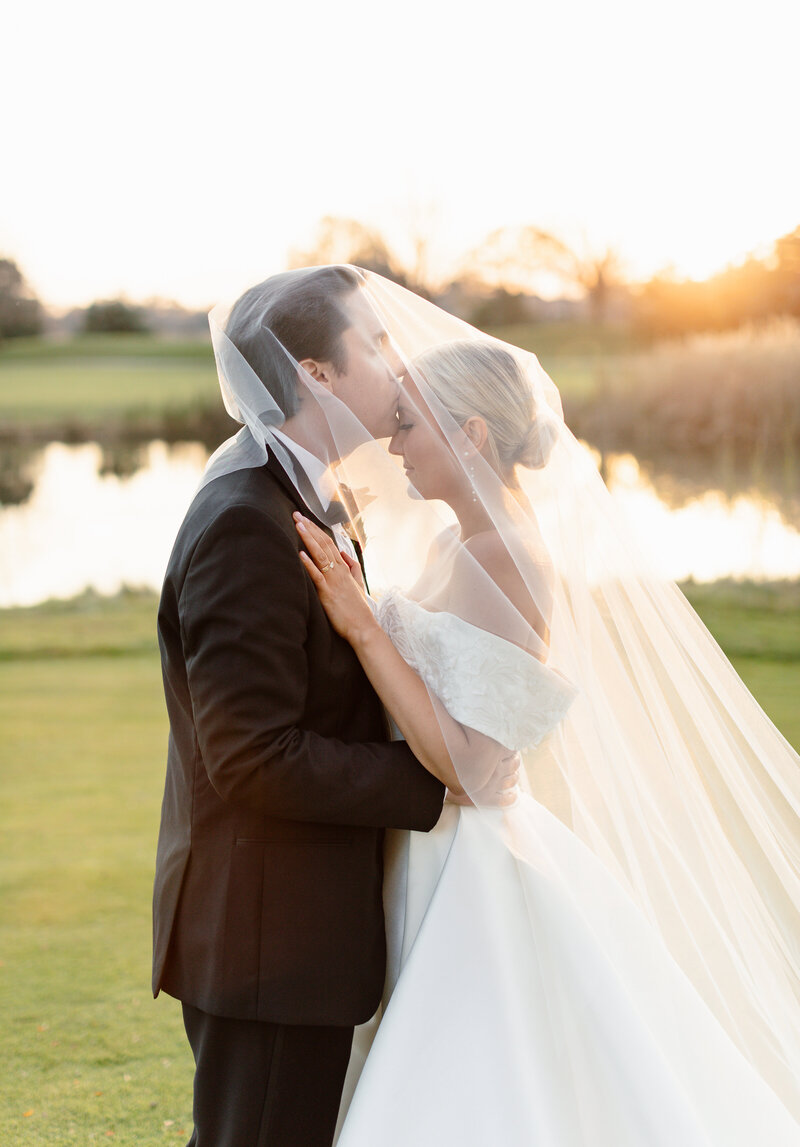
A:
(268, 922)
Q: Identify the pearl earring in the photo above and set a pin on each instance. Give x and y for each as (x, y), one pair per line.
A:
(471, 477)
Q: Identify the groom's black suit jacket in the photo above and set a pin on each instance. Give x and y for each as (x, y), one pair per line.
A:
(267, 901)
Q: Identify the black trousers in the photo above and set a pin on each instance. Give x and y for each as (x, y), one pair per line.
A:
(265, 1085)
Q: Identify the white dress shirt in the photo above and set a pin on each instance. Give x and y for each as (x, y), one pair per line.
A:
(322, 481)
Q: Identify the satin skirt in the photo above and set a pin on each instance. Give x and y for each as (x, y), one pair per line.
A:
(534, 1006)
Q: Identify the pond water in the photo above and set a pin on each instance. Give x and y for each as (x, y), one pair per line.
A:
(85, 521)
(84, 527)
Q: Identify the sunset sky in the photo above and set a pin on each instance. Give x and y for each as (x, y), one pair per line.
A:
(181, 149)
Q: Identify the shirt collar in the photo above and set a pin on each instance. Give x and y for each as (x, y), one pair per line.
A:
(317, 472)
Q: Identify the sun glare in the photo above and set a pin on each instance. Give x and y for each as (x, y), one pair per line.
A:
(192, 182)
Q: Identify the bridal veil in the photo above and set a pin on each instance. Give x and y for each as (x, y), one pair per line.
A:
(656, 757)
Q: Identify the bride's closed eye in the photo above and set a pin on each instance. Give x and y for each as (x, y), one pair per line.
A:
(404, 422)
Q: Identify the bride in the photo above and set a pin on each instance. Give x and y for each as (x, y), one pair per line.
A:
(609, 955)
(528, 1000)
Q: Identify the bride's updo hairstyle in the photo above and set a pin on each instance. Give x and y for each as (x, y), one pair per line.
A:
(480, 378)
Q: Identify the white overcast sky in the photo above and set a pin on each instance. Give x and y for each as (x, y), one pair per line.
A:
(180, 149)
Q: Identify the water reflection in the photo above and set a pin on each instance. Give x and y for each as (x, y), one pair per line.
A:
(708, 535)
(93, 520)
(16, 478)
(84, 527)
(681, 479)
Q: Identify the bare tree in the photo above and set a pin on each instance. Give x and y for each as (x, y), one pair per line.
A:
(339, 240)
(521, 256)
(342, 240)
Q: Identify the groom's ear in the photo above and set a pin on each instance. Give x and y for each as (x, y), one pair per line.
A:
(321, 372)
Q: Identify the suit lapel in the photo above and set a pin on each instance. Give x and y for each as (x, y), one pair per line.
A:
(277, 471)
(360, 556)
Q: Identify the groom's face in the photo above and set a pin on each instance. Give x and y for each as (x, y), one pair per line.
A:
(368, 384)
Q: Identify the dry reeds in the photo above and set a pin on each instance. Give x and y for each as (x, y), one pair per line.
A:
(735, 391)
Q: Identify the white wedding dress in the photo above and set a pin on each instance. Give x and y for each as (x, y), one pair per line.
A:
(530, 1004)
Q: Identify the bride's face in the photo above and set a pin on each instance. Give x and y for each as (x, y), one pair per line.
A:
(428, 459)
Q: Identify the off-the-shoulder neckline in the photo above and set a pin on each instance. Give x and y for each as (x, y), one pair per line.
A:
(530, 660)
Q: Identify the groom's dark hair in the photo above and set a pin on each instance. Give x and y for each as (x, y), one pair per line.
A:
(303, 310)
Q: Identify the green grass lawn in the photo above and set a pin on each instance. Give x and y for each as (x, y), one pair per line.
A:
(88, 1057)
(758, 626)
(88, 380)
(575, 354)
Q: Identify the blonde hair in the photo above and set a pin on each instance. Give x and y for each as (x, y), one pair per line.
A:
(481, 378)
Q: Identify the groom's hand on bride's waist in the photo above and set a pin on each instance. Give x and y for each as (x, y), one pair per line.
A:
(458, 798)
(500, 791)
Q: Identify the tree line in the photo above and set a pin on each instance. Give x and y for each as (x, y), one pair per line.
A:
(496, 285)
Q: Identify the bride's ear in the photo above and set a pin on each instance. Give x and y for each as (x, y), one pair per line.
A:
(476, 431)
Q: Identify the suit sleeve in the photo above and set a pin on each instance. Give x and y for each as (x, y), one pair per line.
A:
(244, 614)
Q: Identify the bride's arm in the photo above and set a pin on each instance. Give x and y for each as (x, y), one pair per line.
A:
(427, 729)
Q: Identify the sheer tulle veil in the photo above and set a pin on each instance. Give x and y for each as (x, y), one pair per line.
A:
(663, 765)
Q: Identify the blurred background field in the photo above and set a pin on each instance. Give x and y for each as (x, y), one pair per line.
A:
(78, 384)
(720, 399)
(88, 1055)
